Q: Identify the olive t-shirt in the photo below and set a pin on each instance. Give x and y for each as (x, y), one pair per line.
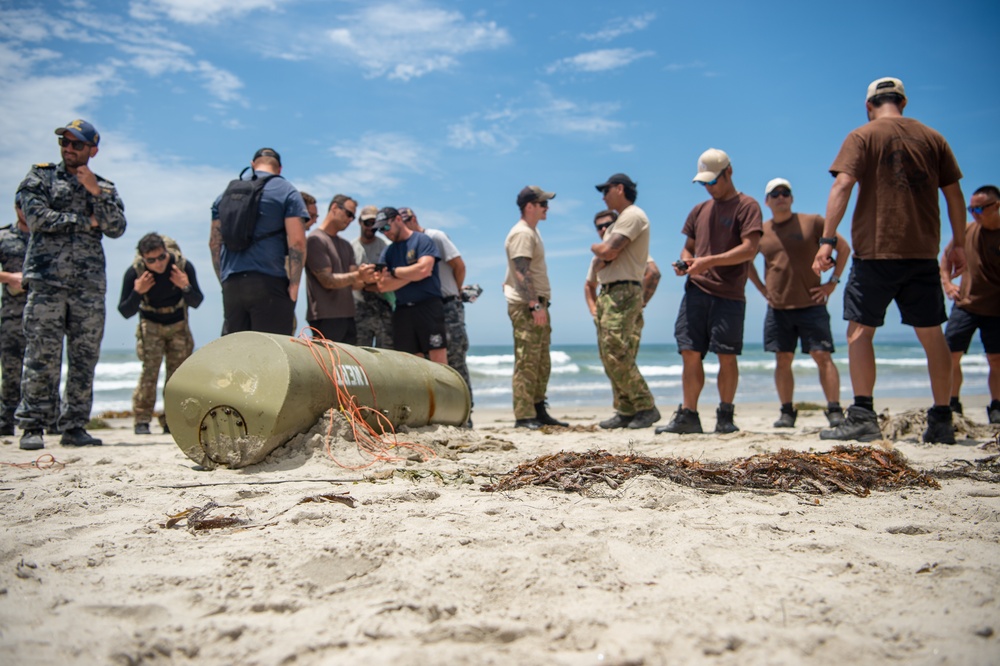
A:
(900, 165)
(630, 264)
(717, 227)
(523, 241)
(789, 248)
(980, 290)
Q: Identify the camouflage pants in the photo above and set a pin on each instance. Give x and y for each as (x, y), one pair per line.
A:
(532, 363)
(153, 342)
(50, 314)
(11, 356)
(373, 318)
(619, 330)
(458, 338)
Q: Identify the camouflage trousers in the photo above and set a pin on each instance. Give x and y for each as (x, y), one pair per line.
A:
(373, 318)
(458, 338)
(11, 356)
(50, 314)
(532, 364)
(619, 330)
(153, 342)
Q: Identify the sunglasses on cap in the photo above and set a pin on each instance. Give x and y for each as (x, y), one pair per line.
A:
(978, 210)
(73, 143)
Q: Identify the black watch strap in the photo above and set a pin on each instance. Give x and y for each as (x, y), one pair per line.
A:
(828, 241)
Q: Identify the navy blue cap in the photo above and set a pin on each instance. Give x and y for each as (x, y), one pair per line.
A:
(82, 130)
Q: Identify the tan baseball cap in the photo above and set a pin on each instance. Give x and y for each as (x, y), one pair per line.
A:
(776, 182)
(368, 213)
(711, 163)
(884, 86)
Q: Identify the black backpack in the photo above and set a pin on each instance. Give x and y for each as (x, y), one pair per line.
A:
(238, 211)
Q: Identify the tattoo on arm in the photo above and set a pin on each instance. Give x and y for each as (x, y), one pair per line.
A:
(522, 272)
(295, 260)
(649, 283)
(215, 246)
(618, 242)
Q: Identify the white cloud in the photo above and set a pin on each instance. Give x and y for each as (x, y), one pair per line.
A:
(373, 165)
(601, 60)
(197, 11)
(680, 66)
(408, 40)
(618, 27)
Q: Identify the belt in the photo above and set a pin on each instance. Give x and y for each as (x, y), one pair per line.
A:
(615, 284)
(449, 299)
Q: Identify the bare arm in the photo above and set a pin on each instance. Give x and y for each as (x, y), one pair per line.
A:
(458, 268)
(836, 206)
(590, 295)
(330, 280)
(215, 247)
(955, 201)
(650, 281)
(416, 272)
(687, 256)
(295, 232)
(743, 252)
(610, 247)
(757, 282)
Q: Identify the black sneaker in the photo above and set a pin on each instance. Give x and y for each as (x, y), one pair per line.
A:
(7, 430)
(786, 420)
(78, 437)
(993, 412)
(861, 424)
(834, 416)
(166, 428)
(142, 429)
(684, 422)
(616, 421)
(644, 418)
(530, 424)
(32, 440)
(940, 429)
(724, 421)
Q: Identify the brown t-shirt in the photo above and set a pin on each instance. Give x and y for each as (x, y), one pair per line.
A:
(789, 248)
(980, 290)
(335, 253)
(717, 227)
(900, 165)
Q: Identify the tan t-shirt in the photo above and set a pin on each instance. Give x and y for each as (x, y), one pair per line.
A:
(900, 165)
(980, 290)
(631, 262)
(789, 248)
(717, 227)
(595, 262)
(523, 241)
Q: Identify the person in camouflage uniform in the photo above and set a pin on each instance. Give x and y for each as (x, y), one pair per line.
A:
(68, 209)
(372, 310)
(451, 270)
(528, 293)
(623, 254)
(13, 244)
(161, 285)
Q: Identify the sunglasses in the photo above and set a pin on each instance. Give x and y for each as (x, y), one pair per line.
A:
(711, 182)
(370, 222)
(780, 193)
(155, 260)
(978, 210)
(602, 227)
(385, 227)
(350, 214)
(75, 144)
(541, 204)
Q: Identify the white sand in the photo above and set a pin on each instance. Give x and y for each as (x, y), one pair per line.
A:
(428, 569)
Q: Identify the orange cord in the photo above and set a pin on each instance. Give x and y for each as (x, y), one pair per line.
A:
(376, 445)
(43, 462)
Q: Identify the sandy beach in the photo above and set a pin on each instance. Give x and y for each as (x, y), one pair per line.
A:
(426, 568)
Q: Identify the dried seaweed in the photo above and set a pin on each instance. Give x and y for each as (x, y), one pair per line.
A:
(847, 469)
(198, 518)
(330, 497)
(984, 469)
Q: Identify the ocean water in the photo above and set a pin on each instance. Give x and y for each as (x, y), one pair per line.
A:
(578, 378)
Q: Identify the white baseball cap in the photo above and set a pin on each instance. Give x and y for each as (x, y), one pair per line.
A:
(711, 163)
(885, 86)
(776, 182)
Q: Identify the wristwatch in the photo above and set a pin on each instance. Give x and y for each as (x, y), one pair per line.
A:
(828, 241)
(186, 290)
(834, 279)
(536, 307)
(392, 271)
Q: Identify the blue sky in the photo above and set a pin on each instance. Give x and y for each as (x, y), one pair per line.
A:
(451, 107)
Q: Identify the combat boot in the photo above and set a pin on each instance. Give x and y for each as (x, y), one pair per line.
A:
(542, 416)
(78, 437)
(616, 421)
(956, 405)
(684, 422)
(32, 440)
(993, 412)
(834, 415)
(940, 429)
(142, 429)
(644, 418)
(7, 430)
(530, 424)
(861, 424)
(724, 419)
(786, 419)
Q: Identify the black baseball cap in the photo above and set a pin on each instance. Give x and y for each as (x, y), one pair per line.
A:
(267, 152)
(617, 179)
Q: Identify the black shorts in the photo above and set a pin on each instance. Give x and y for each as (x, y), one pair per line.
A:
(962, 324)
(419, 328)
(337, 329)
(915, 285)
(707, 323)
(257, 302)
(782, 328)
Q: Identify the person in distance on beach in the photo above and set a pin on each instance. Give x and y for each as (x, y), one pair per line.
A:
(977, 300)
(650, 278)
(621, 259)
(722, 237)
(69, 209)
(373, 310)
(13, 245)
(796, 301)
(528, 293)
(899, 164)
